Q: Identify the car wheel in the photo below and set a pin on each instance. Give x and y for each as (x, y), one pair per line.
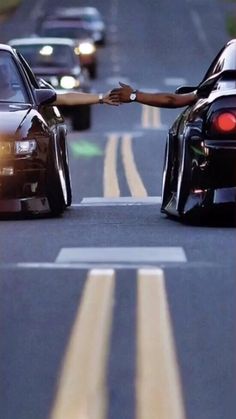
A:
(65, 160)
(169, 175)
(81, 118)
(56, 183)
(184, 179)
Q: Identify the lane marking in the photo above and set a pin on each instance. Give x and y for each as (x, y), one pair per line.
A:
(110, 180)
(158, 387)
(121, 255)
(82, 390)
(175, 81)
(151, 118)
(196, 18)
(124, 200)
(134, 181)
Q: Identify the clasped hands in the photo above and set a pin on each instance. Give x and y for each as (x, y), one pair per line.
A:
(118, 95)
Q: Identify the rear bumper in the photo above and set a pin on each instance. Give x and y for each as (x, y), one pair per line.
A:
(210, 200)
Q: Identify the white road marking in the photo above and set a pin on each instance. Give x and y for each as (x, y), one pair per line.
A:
(114, 80)
(121, 255)
(175, 81)
(129, 201)
(196, 18)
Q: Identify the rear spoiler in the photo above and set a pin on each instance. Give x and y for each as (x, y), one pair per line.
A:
(205, 87)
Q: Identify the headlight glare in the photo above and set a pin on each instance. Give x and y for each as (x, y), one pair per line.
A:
(68, 82)
(86, 48)
(25, 146)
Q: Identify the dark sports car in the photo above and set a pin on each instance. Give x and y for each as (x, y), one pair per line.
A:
(199, 176)
(34, 170)
(55, 61)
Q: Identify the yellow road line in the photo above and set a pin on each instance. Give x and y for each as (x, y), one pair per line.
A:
(158, 386)
(151, 117)
(82, 386)
(110, 181)
(134, 180)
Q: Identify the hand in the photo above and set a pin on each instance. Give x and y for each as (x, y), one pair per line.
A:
(122, 94)
(111, 100)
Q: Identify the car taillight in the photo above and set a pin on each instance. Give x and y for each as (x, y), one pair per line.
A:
(225, 122)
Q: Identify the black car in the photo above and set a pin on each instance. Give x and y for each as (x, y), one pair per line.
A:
(34, 170)
(55, 61)
(199, 175)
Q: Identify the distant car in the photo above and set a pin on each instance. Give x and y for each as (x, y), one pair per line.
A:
(55, 60)
(85, 44)
(89, 17)
(34, 169)
(199, 174)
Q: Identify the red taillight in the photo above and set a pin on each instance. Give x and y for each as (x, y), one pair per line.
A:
(225, 122)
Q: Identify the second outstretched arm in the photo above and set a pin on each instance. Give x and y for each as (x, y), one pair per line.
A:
(163, 100)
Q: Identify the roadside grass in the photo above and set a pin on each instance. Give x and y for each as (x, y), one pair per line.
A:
(231, 17)
(7, 7)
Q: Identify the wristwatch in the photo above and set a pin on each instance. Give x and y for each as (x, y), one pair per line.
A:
(100, 98)
(133, 96)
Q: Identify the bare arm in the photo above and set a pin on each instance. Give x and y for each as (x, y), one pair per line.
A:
(79, 98)
(162, 100)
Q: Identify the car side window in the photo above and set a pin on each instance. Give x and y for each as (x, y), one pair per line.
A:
(28, 71)
(12, 88)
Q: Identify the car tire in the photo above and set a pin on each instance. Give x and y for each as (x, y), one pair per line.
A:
(55, 177)
(81, 118)
(65, 159)
(168, 173)
(184, 179)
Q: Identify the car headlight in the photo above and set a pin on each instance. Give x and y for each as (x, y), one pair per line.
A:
(5, 148)
(86, 48)
(25, 146)
(68, 82)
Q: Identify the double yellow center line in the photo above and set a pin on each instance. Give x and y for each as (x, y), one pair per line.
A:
(110, 178)
(82, 389)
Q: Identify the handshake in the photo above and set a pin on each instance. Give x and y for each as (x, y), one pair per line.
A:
(122, 94)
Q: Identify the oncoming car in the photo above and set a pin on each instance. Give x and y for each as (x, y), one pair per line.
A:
(34, 170)
(89, 17)
(199, 175)
(85, 44)
(56, 62)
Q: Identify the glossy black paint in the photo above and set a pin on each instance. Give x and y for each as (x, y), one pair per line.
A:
(52, 71)
(39, 180)
(199, 176)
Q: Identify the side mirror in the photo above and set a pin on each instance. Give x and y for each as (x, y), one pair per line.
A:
(45, 96)
(185, 89)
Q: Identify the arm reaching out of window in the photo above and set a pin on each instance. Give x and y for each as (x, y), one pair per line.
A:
(126, 94)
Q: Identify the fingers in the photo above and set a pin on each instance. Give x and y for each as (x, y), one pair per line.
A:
(123, 84)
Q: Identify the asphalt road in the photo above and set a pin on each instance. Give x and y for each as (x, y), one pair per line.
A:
(154, 336)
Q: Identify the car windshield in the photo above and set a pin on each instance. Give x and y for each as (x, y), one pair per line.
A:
(47, 55)
(65, 32)
(12, 88)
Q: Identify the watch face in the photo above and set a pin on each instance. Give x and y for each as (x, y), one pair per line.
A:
(133, 96)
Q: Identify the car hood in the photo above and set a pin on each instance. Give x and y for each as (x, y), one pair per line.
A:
(12, 117)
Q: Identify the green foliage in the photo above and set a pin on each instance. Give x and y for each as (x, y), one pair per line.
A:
(8, 5)
(231, 25)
